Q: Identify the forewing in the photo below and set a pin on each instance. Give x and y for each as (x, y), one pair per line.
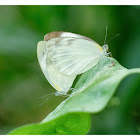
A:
(73, 56)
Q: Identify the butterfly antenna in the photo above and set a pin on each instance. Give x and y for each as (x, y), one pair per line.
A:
(113, 37)
(105, 36)
(50, 95)
(44, 96)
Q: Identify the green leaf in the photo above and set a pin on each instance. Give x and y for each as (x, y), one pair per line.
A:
(69, 124)
(90, 95)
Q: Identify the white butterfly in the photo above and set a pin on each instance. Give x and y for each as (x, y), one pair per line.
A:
(64, 55)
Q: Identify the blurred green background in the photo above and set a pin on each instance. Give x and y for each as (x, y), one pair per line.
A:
(22, 82)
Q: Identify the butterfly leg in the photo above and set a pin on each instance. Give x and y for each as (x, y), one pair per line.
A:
(50, 95)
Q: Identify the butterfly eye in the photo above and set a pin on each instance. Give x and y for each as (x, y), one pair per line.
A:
(105, 47)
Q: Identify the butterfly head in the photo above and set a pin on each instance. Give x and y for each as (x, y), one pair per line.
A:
(105, 49)
(60, 93)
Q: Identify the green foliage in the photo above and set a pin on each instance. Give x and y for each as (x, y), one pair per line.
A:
(22, 81)
(91, 94)
(69, 124)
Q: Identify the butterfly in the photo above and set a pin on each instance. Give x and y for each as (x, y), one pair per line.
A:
(64, 55)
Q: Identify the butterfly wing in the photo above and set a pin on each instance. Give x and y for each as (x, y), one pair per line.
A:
(73, 56)
(57, 79)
